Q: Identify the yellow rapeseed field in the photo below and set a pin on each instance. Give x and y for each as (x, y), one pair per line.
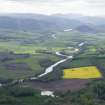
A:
(82, 73)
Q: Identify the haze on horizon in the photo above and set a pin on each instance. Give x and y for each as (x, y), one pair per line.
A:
(84, 7)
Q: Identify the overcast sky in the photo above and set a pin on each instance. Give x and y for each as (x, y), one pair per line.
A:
(85, 7)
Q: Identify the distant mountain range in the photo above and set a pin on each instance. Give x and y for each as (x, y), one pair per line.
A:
(94, 22)
(37, 22)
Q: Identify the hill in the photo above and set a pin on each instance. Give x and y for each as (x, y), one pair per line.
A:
(33, 22)
(85, 28)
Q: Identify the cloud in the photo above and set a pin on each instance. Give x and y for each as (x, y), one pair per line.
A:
(85, 7)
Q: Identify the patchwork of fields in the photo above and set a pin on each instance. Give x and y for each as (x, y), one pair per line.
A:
(40, 51)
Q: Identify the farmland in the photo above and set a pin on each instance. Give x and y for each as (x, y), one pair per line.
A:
(82, 73)
(28, 54)
(40, 51)
(54, 59)
(24, 65)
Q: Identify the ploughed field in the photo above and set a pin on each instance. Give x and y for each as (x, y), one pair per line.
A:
(72, 79)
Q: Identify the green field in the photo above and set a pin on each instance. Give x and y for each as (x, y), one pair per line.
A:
(25, 54)
(41, 49)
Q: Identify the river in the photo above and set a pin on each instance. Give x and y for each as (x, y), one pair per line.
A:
(51, 68)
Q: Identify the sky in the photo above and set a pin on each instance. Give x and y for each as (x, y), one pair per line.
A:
(84, 7)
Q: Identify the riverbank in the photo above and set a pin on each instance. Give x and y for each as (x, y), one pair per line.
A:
(58, 85)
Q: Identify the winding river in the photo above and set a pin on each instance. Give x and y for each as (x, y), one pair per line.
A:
(51, 68)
